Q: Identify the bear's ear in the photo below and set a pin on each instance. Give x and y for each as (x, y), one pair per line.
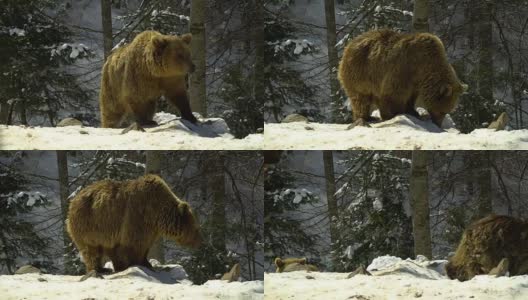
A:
(159, 43)
(187, 38)
(446, 91)
(278, 262)
(184, 209)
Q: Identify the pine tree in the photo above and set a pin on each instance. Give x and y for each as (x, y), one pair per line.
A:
(36, 50)
(285, 85)
(373, 220)
(19, 237)
(283, 233)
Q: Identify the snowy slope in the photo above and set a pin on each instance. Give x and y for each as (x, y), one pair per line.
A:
(402, 132)
(133, 283)
(394, 279)
(172, 134)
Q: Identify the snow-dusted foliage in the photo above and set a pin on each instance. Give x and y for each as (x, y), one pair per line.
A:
(376, 215)
(37, 50)
(285, 54)
(18, 236)
(284, 233)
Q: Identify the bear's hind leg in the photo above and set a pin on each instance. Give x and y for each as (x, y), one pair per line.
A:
(111, 119)
(143, 112)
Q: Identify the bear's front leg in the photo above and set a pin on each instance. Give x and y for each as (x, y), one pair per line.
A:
(181, 101)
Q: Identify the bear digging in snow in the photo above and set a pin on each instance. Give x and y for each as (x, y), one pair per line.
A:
(121, 220)
(137, 75)
(493, 245)
(394, 71)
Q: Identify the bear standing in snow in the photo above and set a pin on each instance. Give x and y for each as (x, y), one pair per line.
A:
(394, 71)
(123, 219)
(489, 245)
(137, 75)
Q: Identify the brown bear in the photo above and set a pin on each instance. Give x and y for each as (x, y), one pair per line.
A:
(137, 75)
(394, 71)
(293, 264)
(121, 220)
(489, 243)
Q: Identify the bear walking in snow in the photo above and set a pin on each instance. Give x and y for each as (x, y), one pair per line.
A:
(121, 220)
(394, 71)
(137, 75)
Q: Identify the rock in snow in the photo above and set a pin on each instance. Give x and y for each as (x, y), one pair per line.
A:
(402, 132)
(134, 283)
(172, 134)
(393, 278)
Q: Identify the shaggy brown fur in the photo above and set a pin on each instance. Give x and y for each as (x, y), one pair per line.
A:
(137, 75)
(123, 219)
(486, 243)
(293, 264)
(394, 71)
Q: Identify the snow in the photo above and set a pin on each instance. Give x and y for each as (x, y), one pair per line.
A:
(17, 31)
(300, 46)
(32, 197)
(171, 134)
(76, 50)
(403, 132)
(394, 278)
(133, 283)
(377, 204)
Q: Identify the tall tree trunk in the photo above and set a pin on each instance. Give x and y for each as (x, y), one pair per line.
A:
(106, 13)
(485, 66)
(154, 167)
(328, 161)
(62, 168)
(4, 112)
(217, 185)
(419, 192)
(22, 112)
(333, 60)
(420, 19)
(197, 90)
(259, 42)
(483, 177)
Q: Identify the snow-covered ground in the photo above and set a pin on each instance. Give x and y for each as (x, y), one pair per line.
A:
(133, 283)
(402, 132)
(171, 134)
(393, 278)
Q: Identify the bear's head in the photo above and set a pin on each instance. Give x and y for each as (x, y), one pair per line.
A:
(190, 234)
(281, 264)
(447, 95)
(171, 55)
(463, 272)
